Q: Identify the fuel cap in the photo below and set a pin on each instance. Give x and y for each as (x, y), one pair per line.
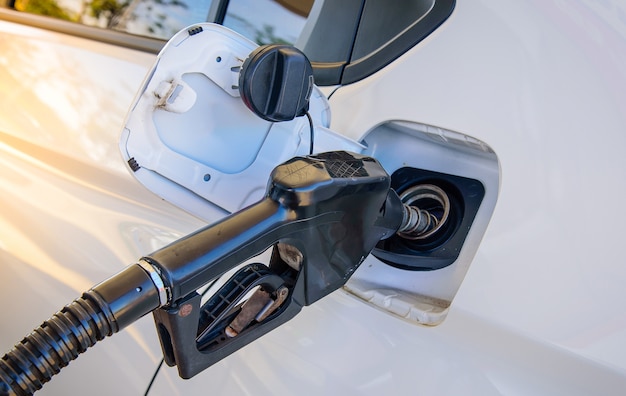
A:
(276, 81)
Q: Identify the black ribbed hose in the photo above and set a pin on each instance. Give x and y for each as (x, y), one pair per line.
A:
(44, 352)
(98, 313)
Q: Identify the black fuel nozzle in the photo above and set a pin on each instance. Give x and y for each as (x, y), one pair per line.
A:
(322, 215)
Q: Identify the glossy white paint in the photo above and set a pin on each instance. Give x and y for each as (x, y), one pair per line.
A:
(541, 82)
(71, 213)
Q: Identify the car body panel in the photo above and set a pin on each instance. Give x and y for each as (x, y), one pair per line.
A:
(549, 101)
(539, 312)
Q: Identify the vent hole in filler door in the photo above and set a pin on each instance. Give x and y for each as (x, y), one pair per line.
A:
(172, 98)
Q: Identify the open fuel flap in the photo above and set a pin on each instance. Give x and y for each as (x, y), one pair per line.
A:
(208, 126)
(190, 138)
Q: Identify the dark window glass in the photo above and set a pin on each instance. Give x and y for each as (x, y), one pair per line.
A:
(152, 18)
(268, 21)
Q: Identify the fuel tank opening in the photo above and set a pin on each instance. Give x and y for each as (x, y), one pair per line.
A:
(439, 211)
(427, 208)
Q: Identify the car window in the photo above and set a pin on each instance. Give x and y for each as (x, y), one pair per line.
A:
(151, 18)
(268, 21)
(264, 21)
(154, 18)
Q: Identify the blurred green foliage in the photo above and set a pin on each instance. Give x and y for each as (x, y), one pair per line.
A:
(44, 7)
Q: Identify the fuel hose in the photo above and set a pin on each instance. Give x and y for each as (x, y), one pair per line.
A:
(100, 312)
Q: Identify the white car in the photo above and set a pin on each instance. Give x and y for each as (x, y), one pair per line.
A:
(511, 114)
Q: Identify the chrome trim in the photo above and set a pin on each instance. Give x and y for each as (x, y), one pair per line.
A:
(157, 280)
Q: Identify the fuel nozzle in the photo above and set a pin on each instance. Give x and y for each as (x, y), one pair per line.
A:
(426, 208)
(322, 216)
